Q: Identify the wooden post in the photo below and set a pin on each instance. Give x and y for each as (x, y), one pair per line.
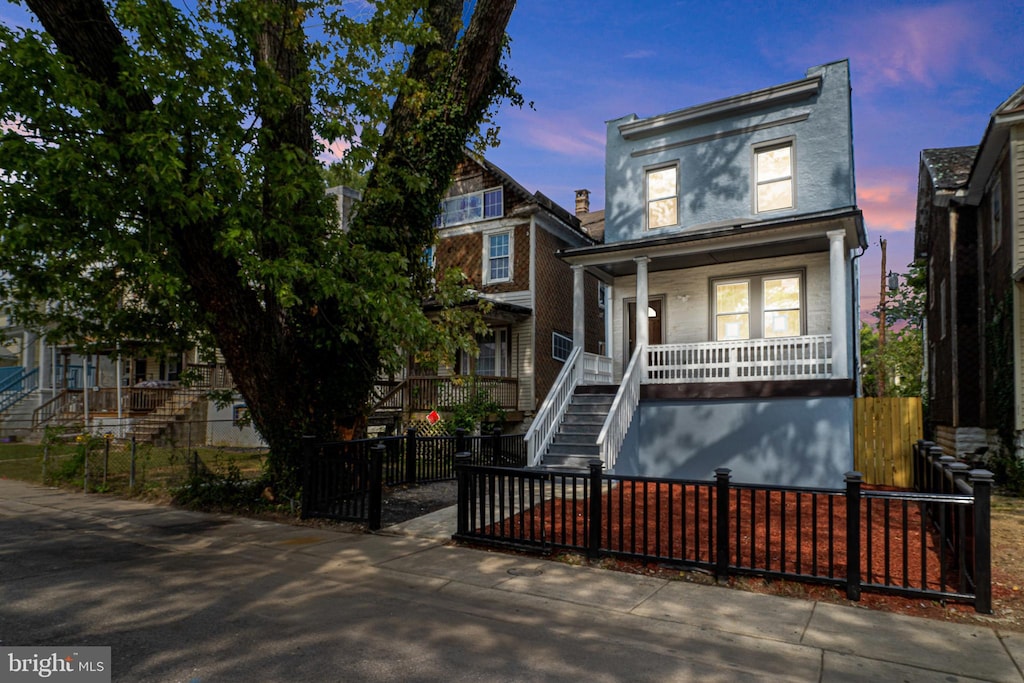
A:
(880, 366)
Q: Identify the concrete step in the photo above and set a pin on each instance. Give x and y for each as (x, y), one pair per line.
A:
(592, 399)
(589, 450)
(567, 463)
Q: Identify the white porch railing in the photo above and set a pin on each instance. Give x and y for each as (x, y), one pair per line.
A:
(807, 357)
(613, 432)
(597, 369)
(549, 416)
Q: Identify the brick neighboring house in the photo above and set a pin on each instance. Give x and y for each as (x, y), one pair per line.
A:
(504, 239)
(970, 210)
(732, 228)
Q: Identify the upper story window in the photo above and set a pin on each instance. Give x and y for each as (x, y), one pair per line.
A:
(774, 177)
(498, 257)
(758, 306)
(471, 207)
(662, 197)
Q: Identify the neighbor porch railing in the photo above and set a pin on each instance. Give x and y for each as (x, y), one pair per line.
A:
(616, 425)
(808, 357)
(441, 393)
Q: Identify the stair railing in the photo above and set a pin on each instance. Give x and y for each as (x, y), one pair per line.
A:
(552, 410)
(18, 387)
(627, 398)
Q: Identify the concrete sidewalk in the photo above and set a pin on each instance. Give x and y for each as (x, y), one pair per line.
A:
(607, 625)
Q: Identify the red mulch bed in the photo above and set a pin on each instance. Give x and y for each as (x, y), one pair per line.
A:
(787, 533)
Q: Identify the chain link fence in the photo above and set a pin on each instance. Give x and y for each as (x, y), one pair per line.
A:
(103, 462)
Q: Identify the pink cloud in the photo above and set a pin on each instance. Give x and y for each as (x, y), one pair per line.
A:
(561, 133)
(333, 151)
(917, 45)
(888, 199)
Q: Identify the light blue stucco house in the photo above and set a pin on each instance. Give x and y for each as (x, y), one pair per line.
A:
(732, 227)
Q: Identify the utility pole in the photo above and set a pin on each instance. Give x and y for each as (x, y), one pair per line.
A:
(880, 365)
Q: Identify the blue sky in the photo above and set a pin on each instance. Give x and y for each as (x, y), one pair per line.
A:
(924, 74)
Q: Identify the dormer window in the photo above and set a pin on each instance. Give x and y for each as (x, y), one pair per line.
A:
(470, 207)
(662, 197)
(774, 180)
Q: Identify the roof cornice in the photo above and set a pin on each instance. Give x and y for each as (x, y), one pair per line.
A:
(778, 94)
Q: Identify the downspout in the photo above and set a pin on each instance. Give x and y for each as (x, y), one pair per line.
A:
(855, 286)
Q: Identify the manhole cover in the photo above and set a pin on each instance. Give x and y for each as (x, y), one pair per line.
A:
(523, 571)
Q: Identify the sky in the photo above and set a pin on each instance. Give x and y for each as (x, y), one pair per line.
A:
(924, 75)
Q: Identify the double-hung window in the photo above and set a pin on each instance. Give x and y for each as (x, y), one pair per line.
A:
(758, 306)
(561, 346)
(774, 177)
(662, 197)
(498, 256)
(470, 207)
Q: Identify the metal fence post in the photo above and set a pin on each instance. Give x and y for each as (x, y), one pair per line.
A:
(85, 475)
(496, 446)
(462, 463)
(594, 517)
(460, 441)
(853, 500)
(981, 480)
(46, 459)
(307, 476)
(106, 456)
(722, 492)
(376, 487)
(934, 485)
(410, 455)
(131, 467)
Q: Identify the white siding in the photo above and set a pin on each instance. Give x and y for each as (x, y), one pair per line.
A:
(522, 362)
(688, 297)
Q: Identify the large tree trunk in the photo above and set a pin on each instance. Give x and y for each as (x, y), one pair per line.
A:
(292, 382)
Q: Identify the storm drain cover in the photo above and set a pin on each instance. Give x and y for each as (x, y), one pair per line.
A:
(525, 571)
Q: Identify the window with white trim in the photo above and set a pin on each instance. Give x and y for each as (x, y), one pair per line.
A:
(561, 346)
(470, 207)
(662, 189)
(498, 257)
(773, 181)
(602, 295)
(759, 306)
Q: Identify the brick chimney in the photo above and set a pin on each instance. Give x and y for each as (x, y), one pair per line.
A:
(582, 202)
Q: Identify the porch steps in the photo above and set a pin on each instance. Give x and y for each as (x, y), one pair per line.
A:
(575, 443)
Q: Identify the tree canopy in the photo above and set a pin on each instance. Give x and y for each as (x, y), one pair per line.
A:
(161, 183)
(902, 356)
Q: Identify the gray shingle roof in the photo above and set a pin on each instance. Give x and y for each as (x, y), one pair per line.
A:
(949, 167)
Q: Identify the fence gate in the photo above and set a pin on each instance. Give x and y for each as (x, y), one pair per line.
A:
(885, 430)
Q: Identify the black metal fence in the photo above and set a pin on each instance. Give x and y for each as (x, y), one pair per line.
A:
(922, 544)
(341, 479)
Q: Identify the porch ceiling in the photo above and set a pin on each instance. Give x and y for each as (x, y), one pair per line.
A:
(721, 244)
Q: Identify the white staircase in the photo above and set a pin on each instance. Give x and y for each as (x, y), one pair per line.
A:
(575, 442)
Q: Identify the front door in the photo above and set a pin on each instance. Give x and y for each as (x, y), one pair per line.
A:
(655, 321)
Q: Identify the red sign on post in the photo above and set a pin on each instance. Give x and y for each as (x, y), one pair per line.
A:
(433, 417)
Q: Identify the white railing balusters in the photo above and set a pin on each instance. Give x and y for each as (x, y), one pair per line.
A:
(549, 416)
(616, 425)
(807, 357)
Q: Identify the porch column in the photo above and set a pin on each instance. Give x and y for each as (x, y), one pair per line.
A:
(578, 308)
(642, 303)
(837, 287)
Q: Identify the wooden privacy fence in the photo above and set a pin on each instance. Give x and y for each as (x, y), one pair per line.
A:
(885, 431)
